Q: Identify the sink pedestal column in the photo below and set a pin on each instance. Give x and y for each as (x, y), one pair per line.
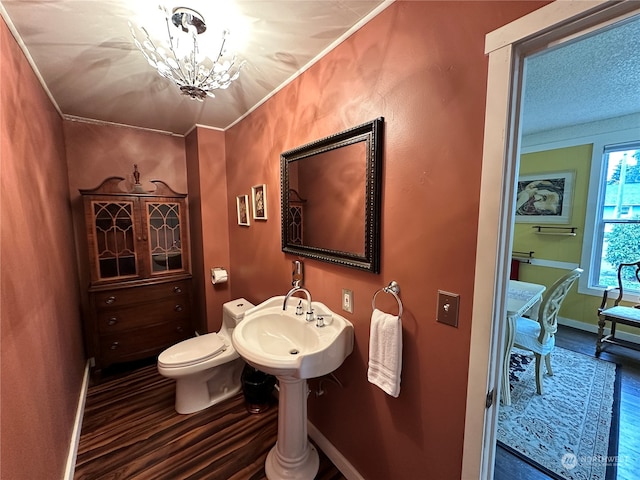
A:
(293, 457)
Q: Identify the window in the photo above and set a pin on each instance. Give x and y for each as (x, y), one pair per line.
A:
(616, 233)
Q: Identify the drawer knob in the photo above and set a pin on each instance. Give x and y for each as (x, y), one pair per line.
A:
(112, 321)
(177, 290)
(179, 329)
(110, 300)
(178, 308)
(115, 346)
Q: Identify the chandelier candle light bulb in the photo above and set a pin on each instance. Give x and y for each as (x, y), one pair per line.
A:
(181, 59)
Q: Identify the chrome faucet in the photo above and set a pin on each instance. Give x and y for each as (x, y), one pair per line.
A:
(295, 289)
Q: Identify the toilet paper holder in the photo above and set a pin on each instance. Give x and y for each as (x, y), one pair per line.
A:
(219, 275)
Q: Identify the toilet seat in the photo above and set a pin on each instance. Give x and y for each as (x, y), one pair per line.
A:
(192, 351)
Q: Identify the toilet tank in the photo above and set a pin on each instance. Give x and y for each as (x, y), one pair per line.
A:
(233, 312)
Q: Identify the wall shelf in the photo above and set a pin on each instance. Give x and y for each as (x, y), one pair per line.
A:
(565, 231)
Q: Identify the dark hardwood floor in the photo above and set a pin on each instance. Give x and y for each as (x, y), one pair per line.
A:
(131, 431)
(510, 467)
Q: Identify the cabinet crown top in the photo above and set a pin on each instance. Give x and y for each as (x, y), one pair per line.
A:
(113, 186)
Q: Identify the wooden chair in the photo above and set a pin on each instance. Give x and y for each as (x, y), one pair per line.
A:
(616, 313)
(539, 335)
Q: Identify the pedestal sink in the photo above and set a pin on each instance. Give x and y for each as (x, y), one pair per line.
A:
(284, 344)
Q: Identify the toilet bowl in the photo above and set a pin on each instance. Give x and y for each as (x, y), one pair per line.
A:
(206, 368)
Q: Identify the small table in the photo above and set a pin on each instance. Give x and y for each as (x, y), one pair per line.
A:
(521, 298)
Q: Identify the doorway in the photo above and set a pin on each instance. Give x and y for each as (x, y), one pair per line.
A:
(507, 49)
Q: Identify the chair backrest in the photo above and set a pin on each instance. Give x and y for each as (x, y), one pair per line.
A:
(551, 303)
(622, 269)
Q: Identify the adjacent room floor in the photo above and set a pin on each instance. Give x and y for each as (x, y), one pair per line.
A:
(510, 467)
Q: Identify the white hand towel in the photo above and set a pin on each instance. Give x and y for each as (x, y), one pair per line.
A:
(385, 352)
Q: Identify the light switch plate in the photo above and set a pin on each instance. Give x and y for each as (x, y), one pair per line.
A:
(448, 304)
(347, 300)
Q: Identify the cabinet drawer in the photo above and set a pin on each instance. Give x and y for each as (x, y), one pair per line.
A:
(137, 316)
(134, 295)
(122, 347)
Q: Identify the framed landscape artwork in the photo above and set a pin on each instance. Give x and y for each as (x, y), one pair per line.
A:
(545, 198)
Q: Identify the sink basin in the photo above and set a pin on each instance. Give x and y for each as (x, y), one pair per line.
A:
(282, 343)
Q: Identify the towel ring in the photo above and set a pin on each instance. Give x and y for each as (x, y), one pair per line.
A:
(394, 289)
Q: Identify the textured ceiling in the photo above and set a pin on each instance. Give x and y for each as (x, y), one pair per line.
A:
(594, 77)
(85, 55)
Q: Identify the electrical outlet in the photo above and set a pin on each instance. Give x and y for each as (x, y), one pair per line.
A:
(347, 300)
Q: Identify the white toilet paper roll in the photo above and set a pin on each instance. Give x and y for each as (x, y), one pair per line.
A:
(219, 275)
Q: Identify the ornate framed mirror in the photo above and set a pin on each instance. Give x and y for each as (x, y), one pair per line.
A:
(331, 195)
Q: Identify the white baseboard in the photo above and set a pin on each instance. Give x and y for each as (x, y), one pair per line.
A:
(333, 453)
(77, 426)
(593, 328)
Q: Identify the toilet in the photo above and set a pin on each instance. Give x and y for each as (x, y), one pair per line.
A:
(206, 368)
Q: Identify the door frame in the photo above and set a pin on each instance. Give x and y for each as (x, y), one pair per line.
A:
(506, 48)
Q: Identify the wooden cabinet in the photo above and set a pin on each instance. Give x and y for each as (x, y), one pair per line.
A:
(140, 282)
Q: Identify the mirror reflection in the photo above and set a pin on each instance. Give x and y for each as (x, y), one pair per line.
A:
(332, 185)
(330, 198)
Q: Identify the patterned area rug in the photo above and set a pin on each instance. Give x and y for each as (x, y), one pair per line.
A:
(571, 431)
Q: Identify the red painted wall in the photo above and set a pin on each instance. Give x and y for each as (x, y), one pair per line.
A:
(42, 357)
(207, 175)
(421, 66)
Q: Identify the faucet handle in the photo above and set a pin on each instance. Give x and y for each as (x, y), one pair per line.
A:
(323, 319)
(309, 316)
(299, 308)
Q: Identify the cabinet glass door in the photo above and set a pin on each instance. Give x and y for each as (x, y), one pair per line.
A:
(114, 229)
(164, 236)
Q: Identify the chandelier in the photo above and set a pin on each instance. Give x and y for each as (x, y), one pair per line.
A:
(181, 60)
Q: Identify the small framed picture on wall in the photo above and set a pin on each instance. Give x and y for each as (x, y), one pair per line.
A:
(242, 202)
(259, 198)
